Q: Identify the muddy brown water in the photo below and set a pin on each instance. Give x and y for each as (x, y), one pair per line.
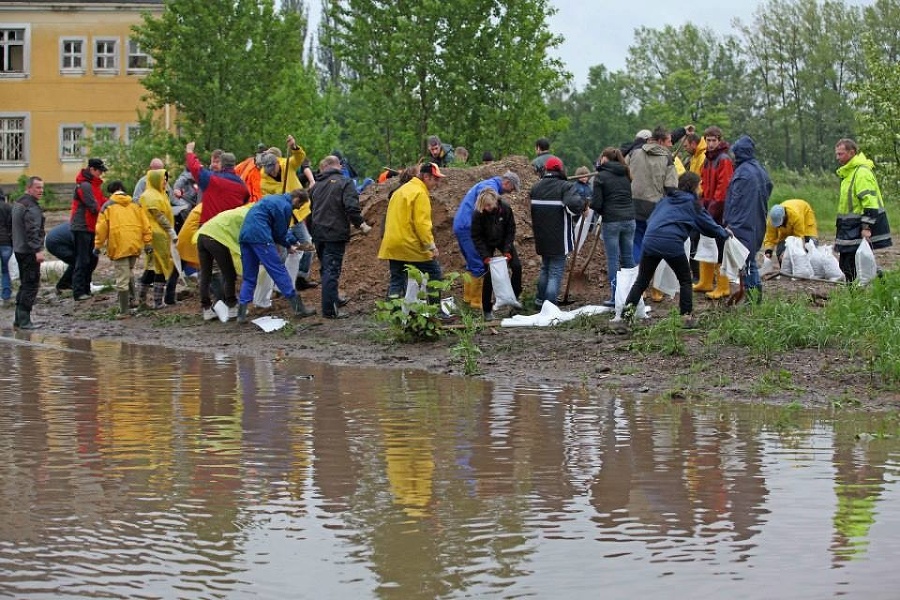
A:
(133, 471)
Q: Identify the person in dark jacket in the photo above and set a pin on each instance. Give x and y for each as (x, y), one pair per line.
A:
(28, 243)
(61, 244)
(85, 208)
(673, 220)
(494, 230)
(554, 205)
(335, 206)
(746, 208)
(267, 224)
(6, 250)
(612, 201)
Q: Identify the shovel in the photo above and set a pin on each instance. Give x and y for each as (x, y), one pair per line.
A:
(593, 250)
(565, 299)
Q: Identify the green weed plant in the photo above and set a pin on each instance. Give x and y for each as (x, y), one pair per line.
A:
(420, 321)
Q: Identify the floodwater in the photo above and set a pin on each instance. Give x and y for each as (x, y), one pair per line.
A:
(142, 472)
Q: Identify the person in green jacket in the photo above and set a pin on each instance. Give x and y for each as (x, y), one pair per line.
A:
(860, 207)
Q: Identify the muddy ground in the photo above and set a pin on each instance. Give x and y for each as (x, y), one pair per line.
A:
(590, 356)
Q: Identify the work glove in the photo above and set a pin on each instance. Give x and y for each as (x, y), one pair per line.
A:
(768, 254)
(173, 236)
(148, 249)
(96, 251)
(365, 227)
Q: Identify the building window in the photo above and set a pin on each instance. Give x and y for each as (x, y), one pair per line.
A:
(12, 138)
(106, 55)
(13, 50)
(138, 61)
(71, 142)
(132, 132)
(71, 55)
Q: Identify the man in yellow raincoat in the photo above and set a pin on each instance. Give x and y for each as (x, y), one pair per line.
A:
(408, 239)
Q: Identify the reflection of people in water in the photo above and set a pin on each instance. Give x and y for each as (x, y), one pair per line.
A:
(859, 485)
(670, 474)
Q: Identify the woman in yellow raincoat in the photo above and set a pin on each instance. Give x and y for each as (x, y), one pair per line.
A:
(158, 264)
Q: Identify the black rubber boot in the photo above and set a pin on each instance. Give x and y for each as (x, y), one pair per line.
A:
(300, 310)
(124, 303)
(242, 313)
(23, 317)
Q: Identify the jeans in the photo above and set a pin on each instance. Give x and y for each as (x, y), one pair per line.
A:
(682, 267)
(254, 255)
(331, 260)
(752, 280)
(618, 239)
(301, 232)
(397, 285)
(550, 279)
(6, 253)
(29, 280)
(640, 228)
(85, 262)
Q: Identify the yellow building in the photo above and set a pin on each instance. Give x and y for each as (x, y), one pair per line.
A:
(68, 70)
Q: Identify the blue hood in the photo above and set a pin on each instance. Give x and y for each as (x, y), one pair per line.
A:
(744, 149)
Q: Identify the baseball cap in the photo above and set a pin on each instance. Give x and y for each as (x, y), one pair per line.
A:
(431, 169)
(553, 164)
(96, 163)
(777, 215)
(644, 134)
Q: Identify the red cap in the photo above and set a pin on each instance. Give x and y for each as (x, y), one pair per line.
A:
(553, 164)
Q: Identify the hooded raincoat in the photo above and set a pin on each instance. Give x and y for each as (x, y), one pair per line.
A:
(407, 229)
(225, 228)
(156, 204)
(747, 198)
(122, 227)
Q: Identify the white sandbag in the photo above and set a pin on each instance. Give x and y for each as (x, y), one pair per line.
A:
(552, 315)
(412, 299)
(734, 258)
(14, 267)
(583, 228)
(51, 270)
(832, 268)
(866, 268)
(767, 267)
(707, 250)
(795, 261)
(625, 278)
(503, 290)
(664, 278)
(262, 295)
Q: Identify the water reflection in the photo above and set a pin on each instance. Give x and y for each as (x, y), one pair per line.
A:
(130, 471)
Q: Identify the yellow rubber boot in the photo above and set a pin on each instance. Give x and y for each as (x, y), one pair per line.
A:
(477, 287)
(723, 287)
(707, 272)
(467, 290)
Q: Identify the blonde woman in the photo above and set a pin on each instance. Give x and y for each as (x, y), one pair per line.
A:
(494, 230)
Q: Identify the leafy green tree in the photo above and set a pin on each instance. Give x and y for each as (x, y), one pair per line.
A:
(475, 72)
(222, 65)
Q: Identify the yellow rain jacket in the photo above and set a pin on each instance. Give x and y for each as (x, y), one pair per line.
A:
(122, 227)
(225, 228)
(187, 244)
(407, 227)
(799, 220)
(269, 185)
(155, 203)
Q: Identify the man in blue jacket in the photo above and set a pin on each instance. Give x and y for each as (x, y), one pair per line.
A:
(462, 228)
(268, 222)
(746, 208)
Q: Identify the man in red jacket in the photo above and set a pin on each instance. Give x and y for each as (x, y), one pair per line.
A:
(86, 205)
(714, 178)
(222, 190)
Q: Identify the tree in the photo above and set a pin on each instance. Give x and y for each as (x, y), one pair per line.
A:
(220, 63)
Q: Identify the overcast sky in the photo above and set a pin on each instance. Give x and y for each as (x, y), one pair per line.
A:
(598, 33)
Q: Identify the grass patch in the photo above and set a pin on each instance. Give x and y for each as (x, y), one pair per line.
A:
(665, 336)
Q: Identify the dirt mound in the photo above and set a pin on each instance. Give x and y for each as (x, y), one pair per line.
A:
(365, 277)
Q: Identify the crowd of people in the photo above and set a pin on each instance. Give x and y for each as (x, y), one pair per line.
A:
(264, 219)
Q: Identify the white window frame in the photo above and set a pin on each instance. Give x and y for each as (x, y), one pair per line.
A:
(26, 125)
(131, 130)
(82, 56)
(135, 52)
(26, 50)
(65, 156)
(97, 55)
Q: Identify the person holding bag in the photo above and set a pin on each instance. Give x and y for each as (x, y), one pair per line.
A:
(861, 212)
(494, 229)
